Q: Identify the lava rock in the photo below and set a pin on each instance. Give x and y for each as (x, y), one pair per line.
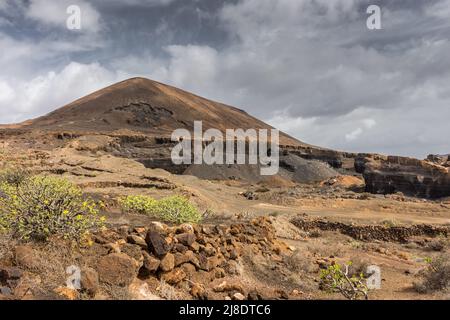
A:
(157, 244)
(117, 269)
(168, 262)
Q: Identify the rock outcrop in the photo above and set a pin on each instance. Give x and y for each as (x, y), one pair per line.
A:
(391, 174)
(443, 160)
(372, 232)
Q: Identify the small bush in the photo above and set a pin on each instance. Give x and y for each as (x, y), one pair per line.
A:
(315, 233)
(389, 223)
(14, 176)
(138, 204)
(174, 209)
(335, 279)
(358, 267)
(300, 262)
(436, 245)
(436, 276)
(41, 206)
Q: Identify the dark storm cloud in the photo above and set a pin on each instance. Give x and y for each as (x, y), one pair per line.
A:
(310, 67)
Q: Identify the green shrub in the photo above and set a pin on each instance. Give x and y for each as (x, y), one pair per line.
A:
(174, 209)
(177, 209)
(41, 206)
(138, 204)
(336, 279)
(14, 176)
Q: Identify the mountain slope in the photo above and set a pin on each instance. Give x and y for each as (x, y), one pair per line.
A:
(147, 106)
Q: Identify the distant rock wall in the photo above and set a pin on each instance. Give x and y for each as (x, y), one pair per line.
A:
(390, 174)
(372, 232)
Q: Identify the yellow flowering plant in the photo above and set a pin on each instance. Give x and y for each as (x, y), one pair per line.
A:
(175, 209)
(41, 206)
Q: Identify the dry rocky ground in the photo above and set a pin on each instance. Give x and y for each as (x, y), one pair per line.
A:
(267, 240)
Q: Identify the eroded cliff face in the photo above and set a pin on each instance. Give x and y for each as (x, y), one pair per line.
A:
(390, 174)
(443, 160)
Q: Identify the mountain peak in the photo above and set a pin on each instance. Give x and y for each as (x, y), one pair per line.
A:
(146, 106)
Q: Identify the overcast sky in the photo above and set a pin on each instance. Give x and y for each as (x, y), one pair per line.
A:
(312, 68)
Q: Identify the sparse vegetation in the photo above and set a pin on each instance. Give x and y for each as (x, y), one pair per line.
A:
(166, 291)
(37, 207)
(335, 279)
(389, 223)
(138, 204)
(439, 244)
(323, 248)
(14, 177)
(275, 214)
(315, 233)
(174, 209)
(358, 267)
(436, 276)
(300, 262)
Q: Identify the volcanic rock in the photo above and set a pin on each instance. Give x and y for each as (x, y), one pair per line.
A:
(89, 281)
(151, 264)
(117, 269)
(168, 262)
(389, 174)
(157, 243)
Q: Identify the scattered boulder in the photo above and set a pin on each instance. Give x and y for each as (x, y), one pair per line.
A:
(186, 239)
(185, 228)
(5, 291)
(26, 257)
(174, 276)
(225, 287)
(180, 248)
(134, 251)
(10, 273)
(139, 290)
(134, 239)
(151, 264)
(189, 269)
(238, 296)
(117, 269)
(66, 293)
(157, 243)
(168, 262)
(89, 281)
(198, 292)
(254, 295)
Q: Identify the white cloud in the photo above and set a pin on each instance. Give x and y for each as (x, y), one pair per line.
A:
(353, 135)
(192, 64)
(7, 93)
(440, 9)
(369, 123)
(52, 90)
